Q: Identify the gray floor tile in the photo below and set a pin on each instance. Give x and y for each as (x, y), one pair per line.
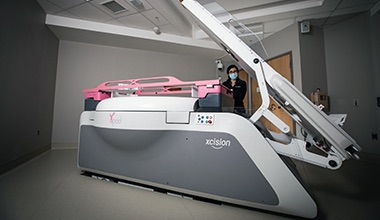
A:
(52, 187)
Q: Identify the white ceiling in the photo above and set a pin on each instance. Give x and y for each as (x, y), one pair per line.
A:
(88, 21)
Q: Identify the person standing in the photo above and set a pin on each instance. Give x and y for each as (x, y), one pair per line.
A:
(238, 86)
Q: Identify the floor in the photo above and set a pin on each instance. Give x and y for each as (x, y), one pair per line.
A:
(51, 187)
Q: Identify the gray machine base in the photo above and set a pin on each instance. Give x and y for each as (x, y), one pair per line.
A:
(176, 160)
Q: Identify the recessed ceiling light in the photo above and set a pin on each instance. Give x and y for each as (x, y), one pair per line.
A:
(137, 3)
(114, 6)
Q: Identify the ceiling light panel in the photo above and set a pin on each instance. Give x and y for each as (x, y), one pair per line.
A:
(100, 5)
(136, 4)
(114, 6)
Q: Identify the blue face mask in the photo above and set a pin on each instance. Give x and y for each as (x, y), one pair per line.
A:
(233, 75)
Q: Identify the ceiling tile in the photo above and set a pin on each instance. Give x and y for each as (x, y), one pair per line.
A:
(65, 4)
(174, 19)
(155, 17)
(137, 21)
(88, 11)
(175, 14)
(49, 7)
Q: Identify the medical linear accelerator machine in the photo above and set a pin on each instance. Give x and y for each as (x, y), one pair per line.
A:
(181, 137)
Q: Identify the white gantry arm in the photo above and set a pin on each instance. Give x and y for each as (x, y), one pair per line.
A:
(246, 49)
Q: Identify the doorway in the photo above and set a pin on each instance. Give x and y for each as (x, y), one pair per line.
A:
(283, 65)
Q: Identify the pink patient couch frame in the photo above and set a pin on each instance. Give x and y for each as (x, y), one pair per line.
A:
(162, 85)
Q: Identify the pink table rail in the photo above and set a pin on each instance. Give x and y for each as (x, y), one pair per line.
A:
(163, 85)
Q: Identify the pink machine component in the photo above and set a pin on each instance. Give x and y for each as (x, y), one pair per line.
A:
(164, 85)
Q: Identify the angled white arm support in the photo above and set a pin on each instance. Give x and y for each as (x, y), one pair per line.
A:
(263, 109)
(297, 149)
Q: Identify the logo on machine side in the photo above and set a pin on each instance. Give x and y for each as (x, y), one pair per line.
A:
(217, 144)
(114, 120)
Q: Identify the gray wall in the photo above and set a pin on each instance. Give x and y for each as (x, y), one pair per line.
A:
(351, 75)
(83, 66)
(28, 58)
(313, 65)
(343, 60)
(285, 41)
(375, 45)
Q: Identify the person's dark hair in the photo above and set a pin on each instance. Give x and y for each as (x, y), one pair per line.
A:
(230, 67)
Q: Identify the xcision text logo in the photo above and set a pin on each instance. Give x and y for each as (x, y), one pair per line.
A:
(115, 120)
(218, 143)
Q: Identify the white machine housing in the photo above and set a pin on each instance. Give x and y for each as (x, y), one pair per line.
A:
(182, 137)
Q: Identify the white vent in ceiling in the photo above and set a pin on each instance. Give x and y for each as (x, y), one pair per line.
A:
(138, 4)
(114, 6)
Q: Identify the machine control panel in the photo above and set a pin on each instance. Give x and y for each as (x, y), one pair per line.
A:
(205, 119)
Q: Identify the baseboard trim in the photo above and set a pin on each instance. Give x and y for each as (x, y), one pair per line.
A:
(17, 162)
(64, 146)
